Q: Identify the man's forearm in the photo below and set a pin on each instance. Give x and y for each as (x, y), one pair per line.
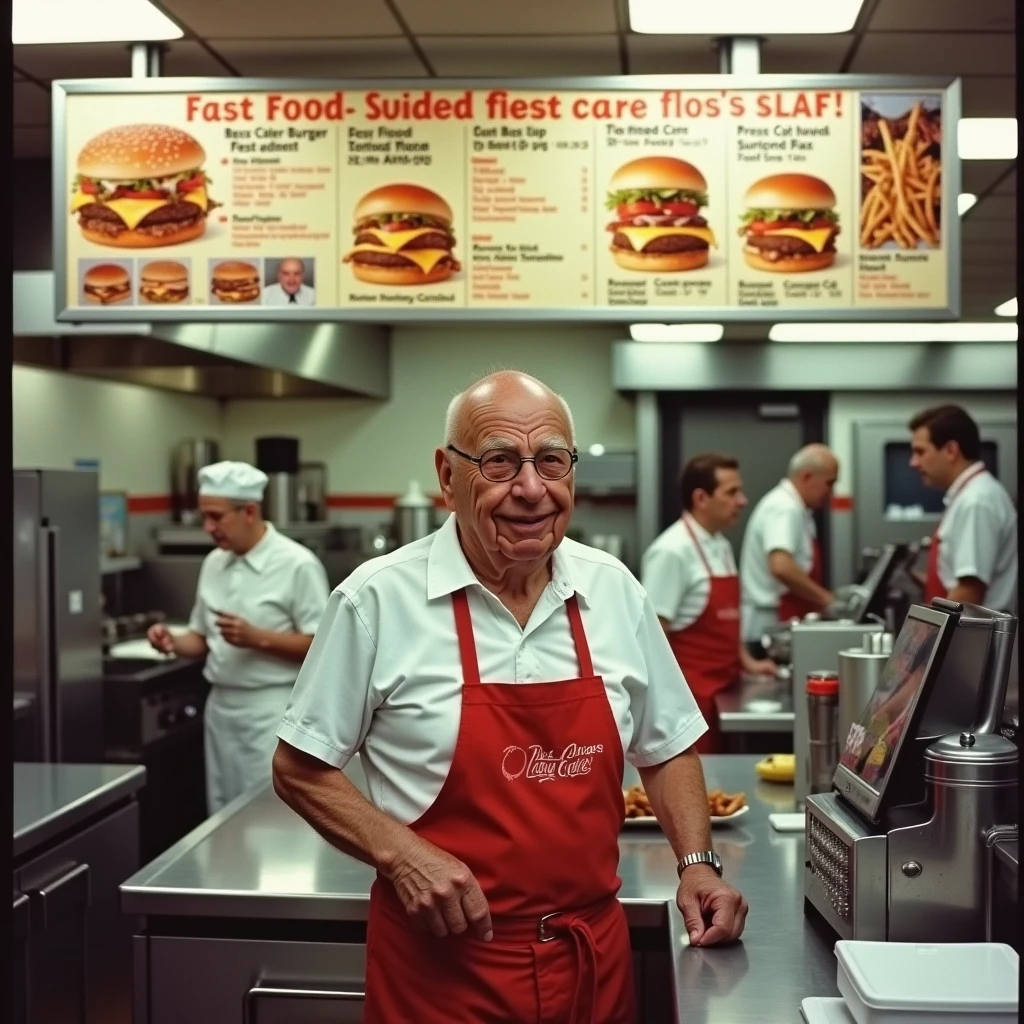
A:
(784, 568)
(679, 797)
(968, 590)
(286, 646)
(190, 645)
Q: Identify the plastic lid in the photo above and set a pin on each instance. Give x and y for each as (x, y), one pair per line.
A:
(822, 684)
(969, 977)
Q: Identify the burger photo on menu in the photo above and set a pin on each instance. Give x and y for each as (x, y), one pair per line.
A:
(163, 282)
(790, 224)
(106, 283)
(235, 281)
(403, 236)
(658, 225)
(141, 186)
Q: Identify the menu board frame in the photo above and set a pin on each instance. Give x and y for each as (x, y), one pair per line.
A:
(950, 189)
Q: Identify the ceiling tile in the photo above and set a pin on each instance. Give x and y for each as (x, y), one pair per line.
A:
(804, 55)
(978, 175)
(188, 58)
(17, 75)
(79, 60)
(272, 19)
(936, 53)
(487, 18)
(1008, 185)
(31, 143)
(1002, 209)
(31, 104)
(989, 97)
(324, 58)
(671, 55)
(943, 15)
(523, 56)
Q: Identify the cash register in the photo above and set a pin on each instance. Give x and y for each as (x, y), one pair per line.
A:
(897, 850)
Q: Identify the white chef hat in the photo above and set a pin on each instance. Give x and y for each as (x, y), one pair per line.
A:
(235, 480)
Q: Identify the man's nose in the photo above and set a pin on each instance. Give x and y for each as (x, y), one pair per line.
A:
(530, 483)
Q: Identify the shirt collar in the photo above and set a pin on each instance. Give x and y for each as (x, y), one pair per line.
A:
(256, 557)
(702, 534)
(789, 487)
(449, 570)
(958, 484)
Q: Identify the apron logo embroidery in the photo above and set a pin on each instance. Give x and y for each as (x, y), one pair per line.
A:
(545, 765)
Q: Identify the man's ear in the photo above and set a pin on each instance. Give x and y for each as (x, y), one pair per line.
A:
(444, 477)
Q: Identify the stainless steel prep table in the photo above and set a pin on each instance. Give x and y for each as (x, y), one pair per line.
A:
(257, 860)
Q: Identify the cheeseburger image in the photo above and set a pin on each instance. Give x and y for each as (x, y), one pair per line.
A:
(658, 225)
(164, 282)
(790, 225)
(403, 236)
(106, 283)
(141, 186)
(235, 281)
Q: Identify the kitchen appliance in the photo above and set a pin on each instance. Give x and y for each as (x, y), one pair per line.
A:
(860, 669)
(312, 492)
(897, 851)
(414, 515)
(57, 636)
(278, 457)
(190, 456)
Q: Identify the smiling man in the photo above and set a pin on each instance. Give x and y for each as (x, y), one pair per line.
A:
(493, 677)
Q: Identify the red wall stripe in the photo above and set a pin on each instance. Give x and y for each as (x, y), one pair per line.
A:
(143, 504)
(842, 503)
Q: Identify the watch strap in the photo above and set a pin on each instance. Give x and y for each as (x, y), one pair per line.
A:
(708, 857)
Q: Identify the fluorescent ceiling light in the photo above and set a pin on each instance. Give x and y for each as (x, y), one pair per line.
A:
(987, 138)
(71, 21)
(743, 17)
(676, 332)
(1008, 308)
(868, 332)
(965, 201)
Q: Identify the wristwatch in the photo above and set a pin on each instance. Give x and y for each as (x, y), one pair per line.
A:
(702, 857)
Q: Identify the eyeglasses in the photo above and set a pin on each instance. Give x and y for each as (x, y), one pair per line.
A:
(501, 465)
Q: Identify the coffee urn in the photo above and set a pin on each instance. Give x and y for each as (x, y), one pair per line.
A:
(414, 515)
(312, 493)
(860, 669)
(278, 457)
(190, 456)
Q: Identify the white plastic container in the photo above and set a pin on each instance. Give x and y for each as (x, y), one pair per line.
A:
(819, 1010)
(916, 983)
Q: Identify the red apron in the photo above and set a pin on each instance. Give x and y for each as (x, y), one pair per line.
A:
(532, 804)
(792, 606)
(933, 585)
(708, 650)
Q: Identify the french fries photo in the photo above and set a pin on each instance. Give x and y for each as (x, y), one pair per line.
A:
(904, 197)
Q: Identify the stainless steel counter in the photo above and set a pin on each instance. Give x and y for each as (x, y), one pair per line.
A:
(256, 859)
(50, 799)
(756, 704)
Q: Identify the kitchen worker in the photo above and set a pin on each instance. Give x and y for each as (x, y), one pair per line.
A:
(781, 568)
(689, 573)
(290, 288)
(493, 677)
(259, 600)
(972, 558)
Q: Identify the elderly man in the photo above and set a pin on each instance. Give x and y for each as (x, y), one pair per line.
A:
(259, 600)
(289, 289)
(781, 569)
(493, 676)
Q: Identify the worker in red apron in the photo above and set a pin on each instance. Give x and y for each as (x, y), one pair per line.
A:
(689, 573)
(972, 558)
(492, 678)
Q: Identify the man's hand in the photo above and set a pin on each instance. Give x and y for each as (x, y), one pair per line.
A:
(439, 892)
(714, 912)
(160, 638)
(237, 631)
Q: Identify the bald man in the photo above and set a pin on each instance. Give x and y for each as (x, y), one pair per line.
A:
(781, 569)
(289, 289)
(493, 677)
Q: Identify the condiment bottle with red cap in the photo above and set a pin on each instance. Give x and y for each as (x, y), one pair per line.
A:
(823, 729)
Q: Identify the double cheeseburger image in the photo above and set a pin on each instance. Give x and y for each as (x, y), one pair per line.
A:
(141, 186)
(790, 225)
(403, 236)
(658, 224)
(106, 283)
(164, 282)
(235, 281)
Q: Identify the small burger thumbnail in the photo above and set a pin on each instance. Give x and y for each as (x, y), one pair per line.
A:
(164, 282)
(790, 225)
(235, 281)
(658, 224)
(403, 236)
(141, 186)
(106, 283)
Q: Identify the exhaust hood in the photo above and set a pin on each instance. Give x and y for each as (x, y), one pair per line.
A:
(226, 361)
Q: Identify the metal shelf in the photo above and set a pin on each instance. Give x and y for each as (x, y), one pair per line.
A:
(112, 566)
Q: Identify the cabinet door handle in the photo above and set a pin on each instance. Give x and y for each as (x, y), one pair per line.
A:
(22, 917)
(270, 992)
(63, 895)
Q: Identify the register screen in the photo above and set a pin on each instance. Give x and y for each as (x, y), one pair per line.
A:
(873, 742)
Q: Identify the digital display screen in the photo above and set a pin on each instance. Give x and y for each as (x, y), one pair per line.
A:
(873, 743)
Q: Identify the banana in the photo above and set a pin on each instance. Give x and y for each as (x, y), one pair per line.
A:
(777, 768)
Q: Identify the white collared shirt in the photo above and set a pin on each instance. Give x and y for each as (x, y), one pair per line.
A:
(275, 295)
(674, 575)
(780, 522)
(978, 536)
(278, 585)
(384, 678)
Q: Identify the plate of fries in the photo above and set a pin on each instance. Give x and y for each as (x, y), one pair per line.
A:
(902, 176)
(724, 808)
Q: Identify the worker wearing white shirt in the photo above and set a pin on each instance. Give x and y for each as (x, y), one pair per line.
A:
(493, 677)
(289, 290)
(781, 568)
(973, 554)
(689, 573)
(258, 602)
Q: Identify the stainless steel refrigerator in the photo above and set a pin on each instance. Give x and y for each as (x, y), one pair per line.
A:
(58, 653)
